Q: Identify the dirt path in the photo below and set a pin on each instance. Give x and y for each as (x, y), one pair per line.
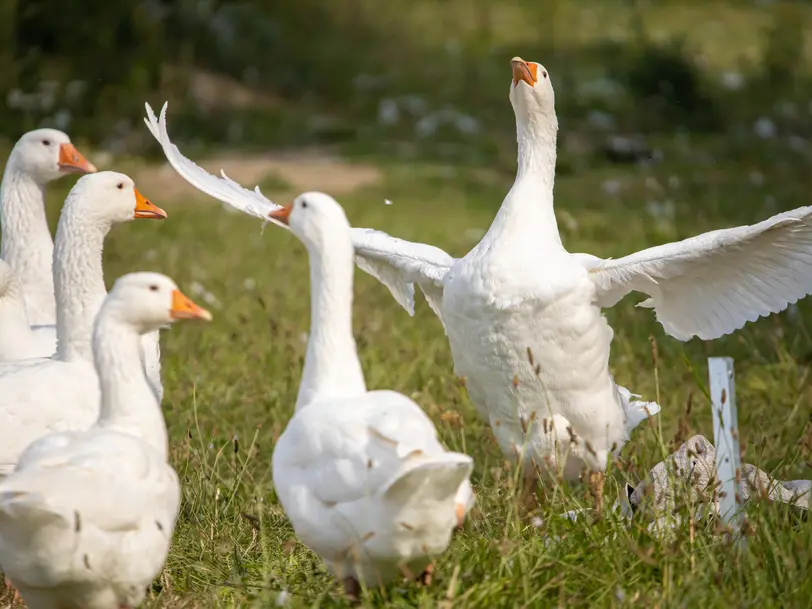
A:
(295, 172)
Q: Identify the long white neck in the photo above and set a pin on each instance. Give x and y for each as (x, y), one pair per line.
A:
(27, 245)
(128, 403)
(526, 218)
(331, 368)
(14, 327)
(78, 281)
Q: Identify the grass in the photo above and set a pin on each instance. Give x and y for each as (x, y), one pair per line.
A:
(230, 387)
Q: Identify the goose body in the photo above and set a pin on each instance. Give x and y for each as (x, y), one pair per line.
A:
(523, 315)
(39, 157)
(18, 340)
(86, 518)
(361, 474)
(520, 333)
(54, 394)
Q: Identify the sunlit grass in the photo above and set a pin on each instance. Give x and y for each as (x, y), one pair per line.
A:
(230, 388)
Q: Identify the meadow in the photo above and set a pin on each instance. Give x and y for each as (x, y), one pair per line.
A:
(230, 385)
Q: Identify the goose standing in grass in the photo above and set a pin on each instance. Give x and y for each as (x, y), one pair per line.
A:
(86, 518)
(523, 315)
(43, 395)
(41, 341)
(18, 340)
(361, 474)
(38, 157)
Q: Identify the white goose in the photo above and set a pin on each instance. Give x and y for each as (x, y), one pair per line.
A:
(43, 395)
(520, 296)
(41, 341)
(361, 474)
(18, 340)
(38, 157)
(86, 519)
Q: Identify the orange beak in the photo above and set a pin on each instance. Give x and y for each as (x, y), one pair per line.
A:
(184, 308)
(145, 209)
(523, 71)
(72, 161)
(282, 214)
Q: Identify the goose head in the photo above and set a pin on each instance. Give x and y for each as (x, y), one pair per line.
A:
(149, 301)
(531, 92)
(48, 154)
(109, 197)
(315, 218)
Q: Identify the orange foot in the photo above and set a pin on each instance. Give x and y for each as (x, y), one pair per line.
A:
(10, 587)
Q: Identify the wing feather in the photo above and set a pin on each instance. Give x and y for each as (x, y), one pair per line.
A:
(396, 263)
(714, 283)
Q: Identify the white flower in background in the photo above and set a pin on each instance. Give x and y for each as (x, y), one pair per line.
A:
(388, 112)
(601, 120)
(661, 210)
(764, 128)
(249, 283)
(537, 522)
(427, 126)
(199, 290)
(62, 119)
(466, 124)
(612, 187)
(756, 178)
(732, 81)
(282, 599)
(211, 300)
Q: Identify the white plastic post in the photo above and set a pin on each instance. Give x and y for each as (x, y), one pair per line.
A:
(726, 438)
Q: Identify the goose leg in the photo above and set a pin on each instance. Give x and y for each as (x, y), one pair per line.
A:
(528, 500)
(425, 577)
(352, 589)
(10, 587)
(596, 481)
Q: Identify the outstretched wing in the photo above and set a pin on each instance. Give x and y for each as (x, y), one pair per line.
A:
(712, 284)
(251, 202)
(396, 263)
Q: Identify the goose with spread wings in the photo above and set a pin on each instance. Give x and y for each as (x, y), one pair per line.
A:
(523, 315)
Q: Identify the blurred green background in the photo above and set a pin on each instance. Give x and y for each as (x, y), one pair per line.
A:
(404, 77)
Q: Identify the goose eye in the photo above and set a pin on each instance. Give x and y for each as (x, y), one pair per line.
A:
(153, 288)
(304, 204)
(120, 185)
(544, 73)
(46, 142)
